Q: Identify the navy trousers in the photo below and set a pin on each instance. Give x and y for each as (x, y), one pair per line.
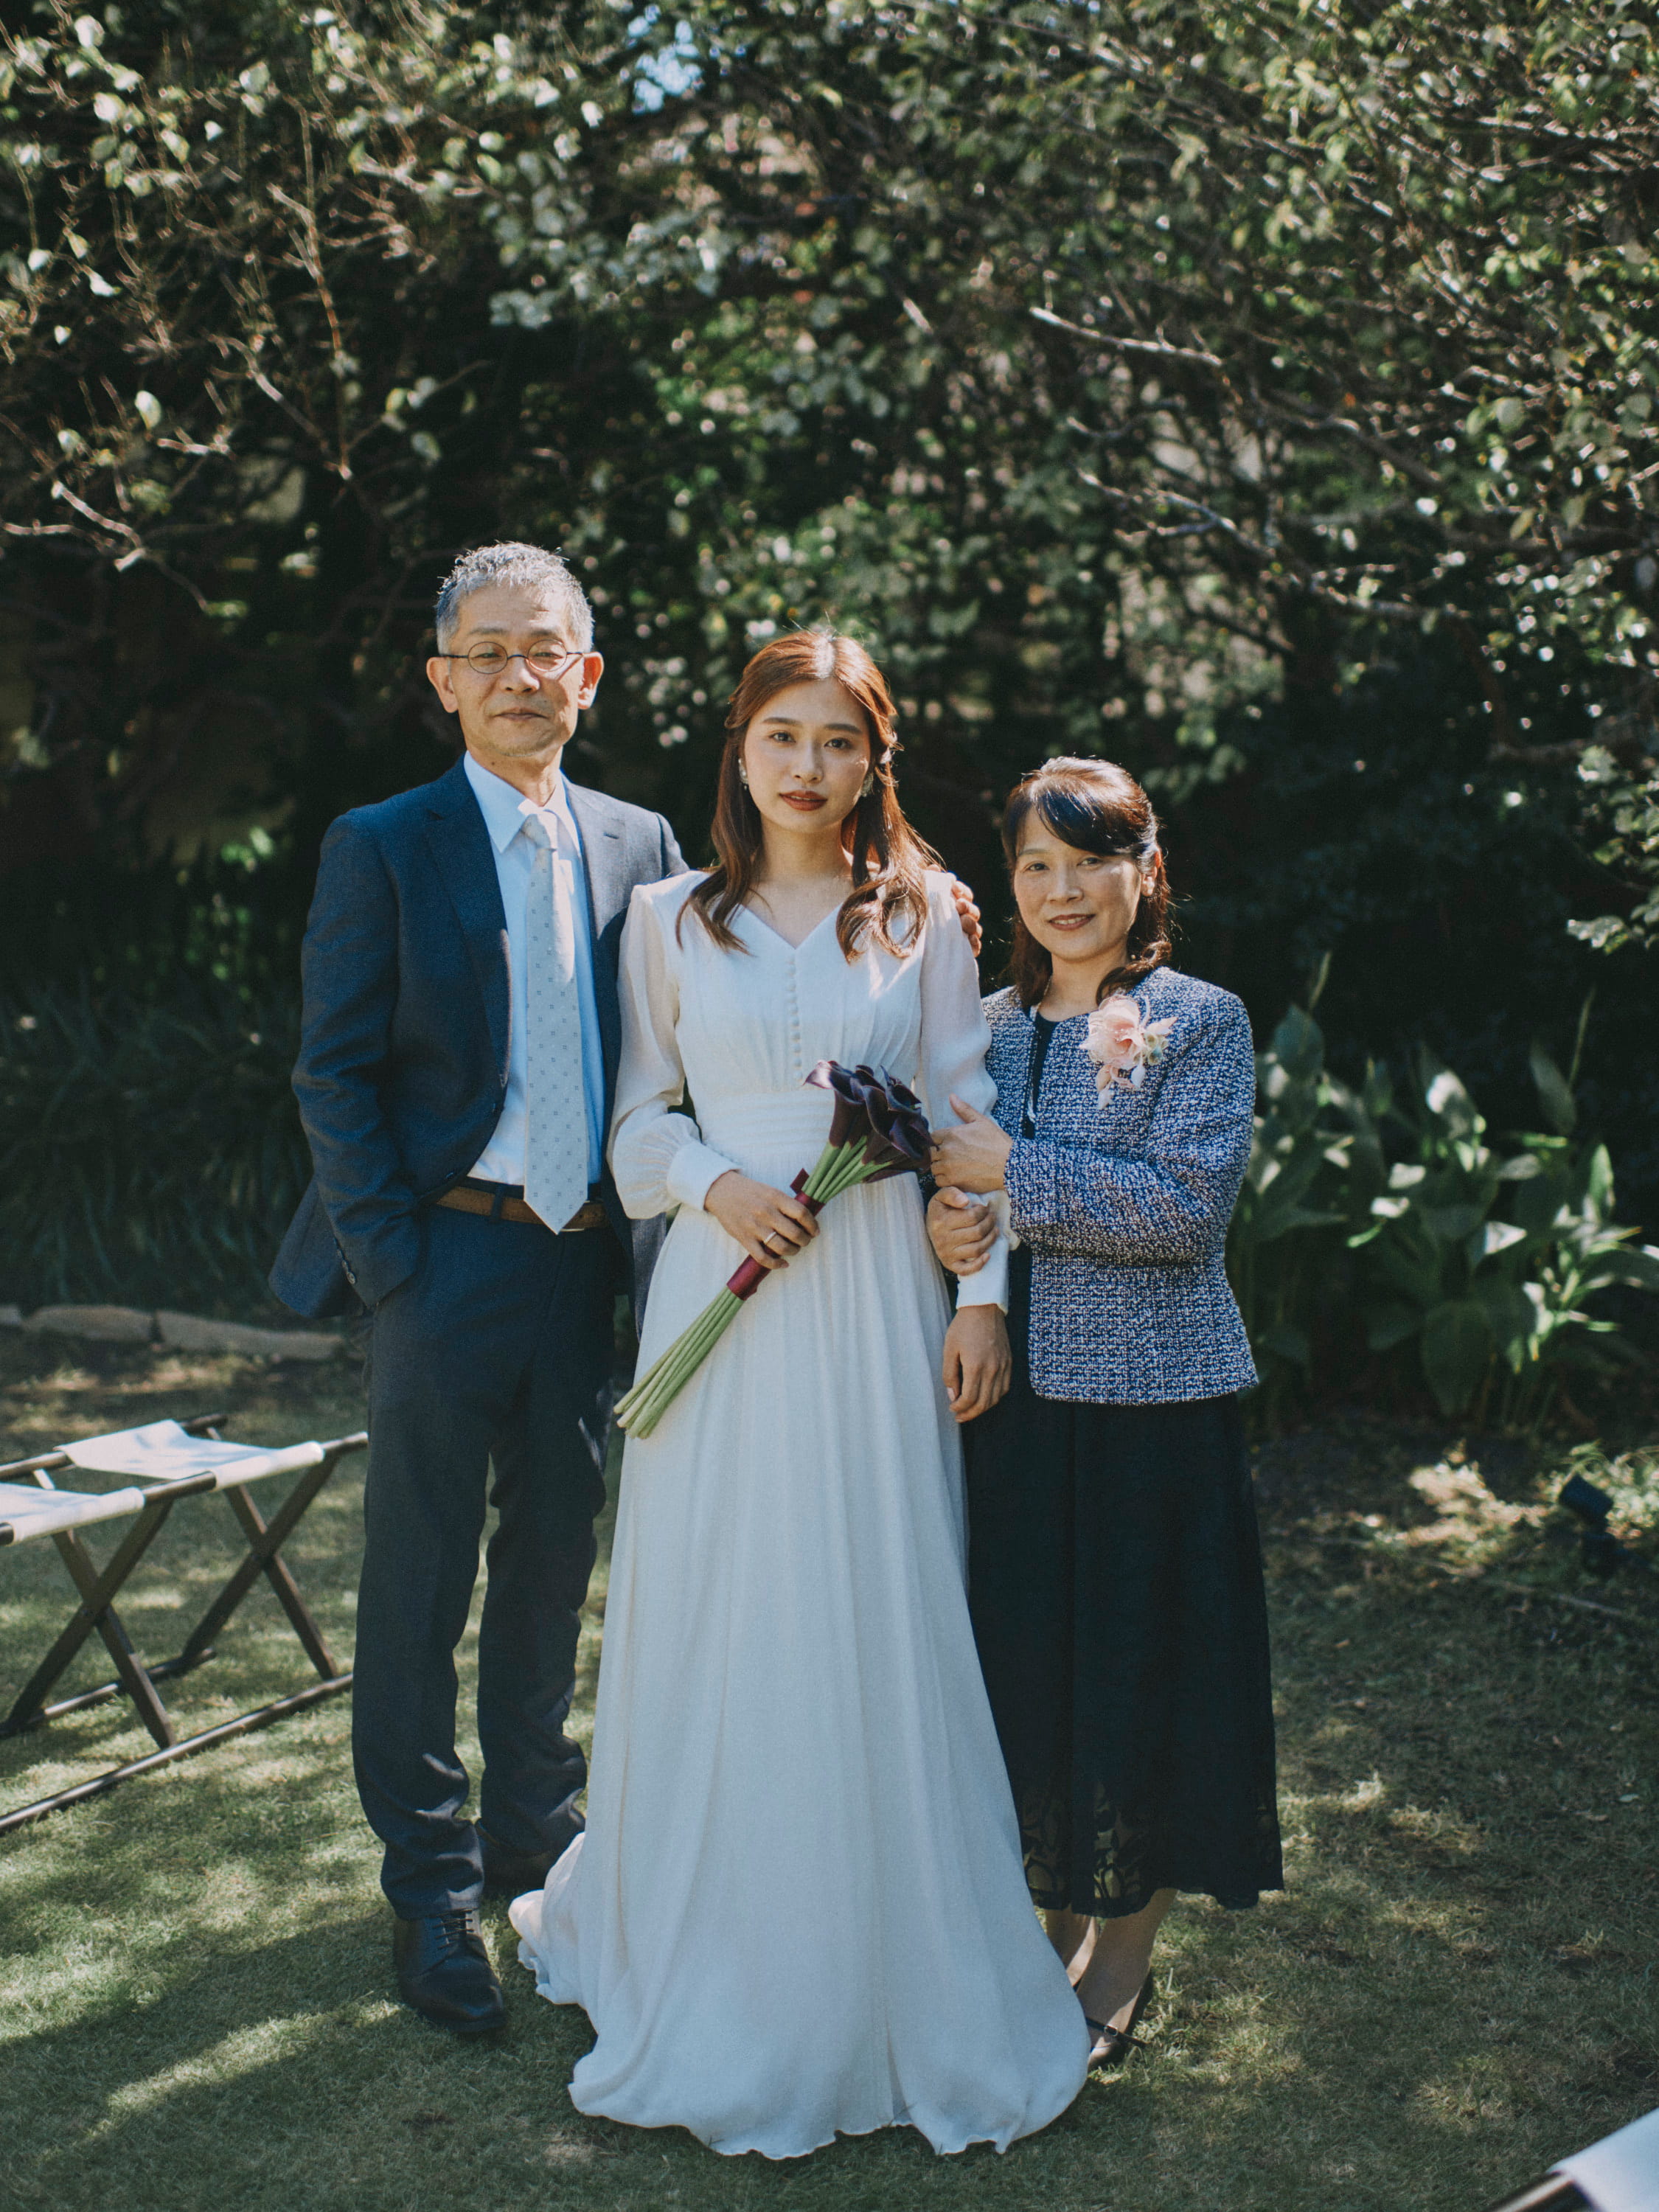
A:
(497, 1350)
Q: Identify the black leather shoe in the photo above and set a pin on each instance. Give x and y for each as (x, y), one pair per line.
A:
(510, 1874)
(444, 1971)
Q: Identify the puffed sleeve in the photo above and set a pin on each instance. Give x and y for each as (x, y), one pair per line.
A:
(657, 1157)
(955, 1039)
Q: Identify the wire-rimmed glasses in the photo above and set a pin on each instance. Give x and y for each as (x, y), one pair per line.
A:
(542, 662)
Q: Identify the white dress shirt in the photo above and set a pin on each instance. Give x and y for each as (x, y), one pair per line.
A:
(504, 810)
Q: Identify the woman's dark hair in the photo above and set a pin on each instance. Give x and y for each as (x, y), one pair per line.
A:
(889, 898)
(1094, 807)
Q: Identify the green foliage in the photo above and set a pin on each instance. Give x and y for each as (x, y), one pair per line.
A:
(1485, 1262)
(1468, 1269)
(150, 1151)
(1034, 339)
(1628, 808)
(250, 389)
(1631, 1479)
(1400, 329)
(1281, 1279)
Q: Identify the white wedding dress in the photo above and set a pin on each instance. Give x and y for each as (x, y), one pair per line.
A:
(799, 1908)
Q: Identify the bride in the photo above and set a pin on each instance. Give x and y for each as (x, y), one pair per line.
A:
(799, 1906)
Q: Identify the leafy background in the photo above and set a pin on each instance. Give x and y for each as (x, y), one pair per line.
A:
(1261, 395)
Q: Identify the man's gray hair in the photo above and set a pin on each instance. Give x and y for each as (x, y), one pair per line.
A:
(526, 566)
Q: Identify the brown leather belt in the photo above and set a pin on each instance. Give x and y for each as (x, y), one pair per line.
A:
(509, 1206)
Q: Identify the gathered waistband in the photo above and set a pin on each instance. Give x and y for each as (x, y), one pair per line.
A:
(797, 1119)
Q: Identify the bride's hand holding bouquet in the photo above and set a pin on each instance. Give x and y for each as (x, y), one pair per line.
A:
(771, 1225)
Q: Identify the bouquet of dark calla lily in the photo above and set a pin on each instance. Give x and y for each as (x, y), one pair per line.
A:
(878, 1130)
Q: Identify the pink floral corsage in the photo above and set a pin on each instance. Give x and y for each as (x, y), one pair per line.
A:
(1121, 1046)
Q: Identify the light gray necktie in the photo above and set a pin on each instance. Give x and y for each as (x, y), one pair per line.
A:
(556, 1143)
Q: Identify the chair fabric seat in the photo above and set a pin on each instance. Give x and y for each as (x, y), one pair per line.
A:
(25, 1511)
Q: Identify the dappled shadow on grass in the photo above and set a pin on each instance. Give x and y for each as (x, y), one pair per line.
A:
(1427, 2015)
(196, 1996)
(1468, 1776)
(56, 1389)
(281, 2075)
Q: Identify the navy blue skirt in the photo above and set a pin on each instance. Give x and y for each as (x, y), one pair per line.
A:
(1115, 1575)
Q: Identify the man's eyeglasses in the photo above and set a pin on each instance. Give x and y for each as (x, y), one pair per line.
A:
(542, 661)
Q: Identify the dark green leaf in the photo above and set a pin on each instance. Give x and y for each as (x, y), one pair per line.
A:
(1457, 1349)
(1387, 1325)
(1555, 1099)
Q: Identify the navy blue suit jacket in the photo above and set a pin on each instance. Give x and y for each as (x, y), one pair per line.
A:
(402, 1072)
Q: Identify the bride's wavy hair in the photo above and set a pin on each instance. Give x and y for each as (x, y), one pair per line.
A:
(889, 898)
(1094, 807)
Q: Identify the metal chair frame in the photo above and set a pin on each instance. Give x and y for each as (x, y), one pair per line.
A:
(96, 1614)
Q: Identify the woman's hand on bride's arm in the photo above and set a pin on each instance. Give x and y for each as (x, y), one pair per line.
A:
(974, 1156)
(961, 1229)
(978, 1363)
(770, 1224)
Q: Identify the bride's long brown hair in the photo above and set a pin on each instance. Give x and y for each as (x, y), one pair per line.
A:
(889, 898)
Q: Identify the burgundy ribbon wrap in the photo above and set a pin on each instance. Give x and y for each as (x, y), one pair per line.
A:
(749, 1276)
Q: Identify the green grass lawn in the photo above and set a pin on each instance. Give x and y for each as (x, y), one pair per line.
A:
(1457, 1987)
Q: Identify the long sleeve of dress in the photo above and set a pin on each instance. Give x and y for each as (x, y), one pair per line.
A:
(657, 1157)
(955, 1038)
(1170, 1205)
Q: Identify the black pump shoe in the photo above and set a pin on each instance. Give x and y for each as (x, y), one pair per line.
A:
(1112, 2046)
(444, 1971)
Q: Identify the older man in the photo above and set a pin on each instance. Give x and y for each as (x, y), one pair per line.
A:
(460, 1040)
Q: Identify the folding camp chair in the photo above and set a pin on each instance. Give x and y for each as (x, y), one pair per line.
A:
(33, 1507)
(1620, 2174)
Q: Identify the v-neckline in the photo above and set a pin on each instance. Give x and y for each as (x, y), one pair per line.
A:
(778, 934)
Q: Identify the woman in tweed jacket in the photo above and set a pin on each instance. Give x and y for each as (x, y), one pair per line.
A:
(1115, 1571)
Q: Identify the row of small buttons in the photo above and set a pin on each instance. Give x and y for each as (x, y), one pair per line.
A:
(798, 1065)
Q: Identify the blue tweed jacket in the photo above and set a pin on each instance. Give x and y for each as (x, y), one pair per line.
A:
(1125, 1202)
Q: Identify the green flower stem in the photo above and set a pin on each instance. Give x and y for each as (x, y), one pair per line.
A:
(672, 1362)
(643, 1406)
(851, 1167)
(830, 1160)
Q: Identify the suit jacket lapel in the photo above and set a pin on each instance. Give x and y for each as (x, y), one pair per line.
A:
(605, 859)
(466, 861)
(610, 883)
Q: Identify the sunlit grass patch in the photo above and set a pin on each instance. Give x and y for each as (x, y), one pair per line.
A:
(196, 2007)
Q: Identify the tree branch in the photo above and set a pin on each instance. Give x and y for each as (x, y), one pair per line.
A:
(1162, 351)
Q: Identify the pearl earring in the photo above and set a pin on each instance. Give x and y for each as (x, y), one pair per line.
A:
(743, 775)
(869, 783)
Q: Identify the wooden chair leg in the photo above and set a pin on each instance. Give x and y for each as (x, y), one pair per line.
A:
(96, 1616)
(266, 1540)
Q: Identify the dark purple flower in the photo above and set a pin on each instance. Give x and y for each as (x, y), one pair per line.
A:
(884, 1114)
(850, 1119)
(903, 1140)
(907, 1149)
(914, 1124)
(901, 1094)
(879, 1107)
